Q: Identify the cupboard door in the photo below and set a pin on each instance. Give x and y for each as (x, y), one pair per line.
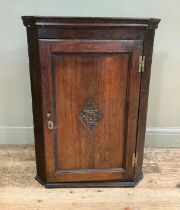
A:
(90, 105)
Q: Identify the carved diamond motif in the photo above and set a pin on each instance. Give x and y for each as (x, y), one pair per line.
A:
(90, 116)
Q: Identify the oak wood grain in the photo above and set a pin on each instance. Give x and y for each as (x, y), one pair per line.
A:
(106, 72)
(74, 60)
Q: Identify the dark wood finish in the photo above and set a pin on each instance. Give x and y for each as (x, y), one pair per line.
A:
(143, 104)
(89, 66)
(122, 183)
(36, 92)
(100, 71)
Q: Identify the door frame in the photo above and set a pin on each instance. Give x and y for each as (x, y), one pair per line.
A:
(46, 48)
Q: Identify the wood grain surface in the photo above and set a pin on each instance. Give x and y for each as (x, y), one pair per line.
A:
(63, 148)
(76, 148)
(73, 73)
(160, 188)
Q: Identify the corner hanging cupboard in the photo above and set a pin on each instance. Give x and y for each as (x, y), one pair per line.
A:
(89, 81)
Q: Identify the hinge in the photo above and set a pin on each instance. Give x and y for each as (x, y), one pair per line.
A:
(141, 63)
(134, 159)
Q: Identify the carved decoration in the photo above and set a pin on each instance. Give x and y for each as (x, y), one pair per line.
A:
(90, 116)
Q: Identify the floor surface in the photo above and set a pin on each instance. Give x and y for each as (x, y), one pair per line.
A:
(160, 188)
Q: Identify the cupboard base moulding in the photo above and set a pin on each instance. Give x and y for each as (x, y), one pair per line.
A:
(89, 184)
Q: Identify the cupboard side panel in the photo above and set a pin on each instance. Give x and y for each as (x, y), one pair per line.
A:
(143, 104)
(36, 91)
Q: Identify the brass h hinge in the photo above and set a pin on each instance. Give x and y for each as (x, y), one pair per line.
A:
(141, 63)
(134, 159)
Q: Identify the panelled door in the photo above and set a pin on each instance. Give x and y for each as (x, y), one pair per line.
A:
(90, 104)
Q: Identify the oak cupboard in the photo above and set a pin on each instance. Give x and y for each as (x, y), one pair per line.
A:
(89, 81)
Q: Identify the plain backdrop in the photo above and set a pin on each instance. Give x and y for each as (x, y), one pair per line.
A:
(163, 125)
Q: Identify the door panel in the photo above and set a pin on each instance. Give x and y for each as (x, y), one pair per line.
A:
(79, 79)
(92, 96)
